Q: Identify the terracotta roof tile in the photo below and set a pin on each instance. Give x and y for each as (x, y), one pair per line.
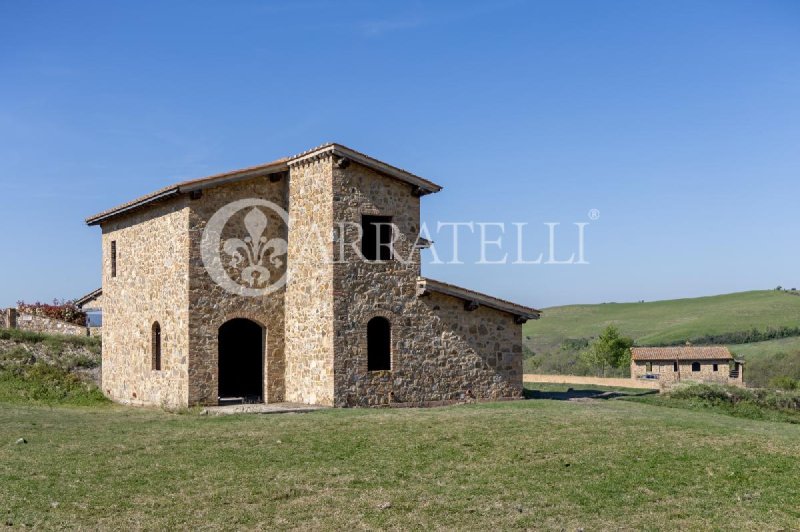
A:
(685, 352)
(275, 166)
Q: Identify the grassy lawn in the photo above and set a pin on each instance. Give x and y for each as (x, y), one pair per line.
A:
(757, 350)
(663, 321)
(537, 463)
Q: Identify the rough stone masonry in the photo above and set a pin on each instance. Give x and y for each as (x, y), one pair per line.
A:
(342, 332)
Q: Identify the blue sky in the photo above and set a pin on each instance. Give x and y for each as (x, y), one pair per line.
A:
(678, 121)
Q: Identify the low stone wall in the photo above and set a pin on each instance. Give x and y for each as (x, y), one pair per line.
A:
(12, 319)
(596, 381)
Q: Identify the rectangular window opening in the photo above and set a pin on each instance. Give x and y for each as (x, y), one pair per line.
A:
(376, 237)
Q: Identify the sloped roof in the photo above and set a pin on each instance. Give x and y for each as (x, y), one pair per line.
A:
(91, 296)
(425, 285)
(684, 352)
(279, 165)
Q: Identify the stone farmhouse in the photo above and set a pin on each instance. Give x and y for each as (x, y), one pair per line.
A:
(672, 365)
(254, 285)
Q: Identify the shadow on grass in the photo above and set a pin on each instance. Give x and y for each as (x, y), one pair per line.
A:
(585, 393)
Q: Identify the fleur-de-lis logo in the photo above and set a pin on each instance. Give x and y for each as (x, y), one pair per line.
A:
(249, 256)
(253, 248)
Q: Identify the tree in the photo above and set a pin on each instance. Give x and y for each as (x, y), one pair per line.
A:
(610, 349)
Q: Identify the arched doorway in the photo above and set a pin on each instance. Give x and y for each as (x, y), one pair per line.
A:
(241, 361)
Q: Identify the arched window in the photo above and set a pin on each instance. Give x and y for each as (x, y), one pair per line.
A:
(156, 346)
(379, 344)
(695, 366)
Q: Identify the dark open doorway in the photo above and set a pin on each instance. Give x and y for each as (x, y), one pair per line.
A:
(241, 361)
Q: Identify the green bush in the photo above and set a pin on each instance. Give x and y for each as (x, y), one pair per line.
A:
(755, 403)
(43, 383)
(784, 382)
(737, 337)
(763, 371)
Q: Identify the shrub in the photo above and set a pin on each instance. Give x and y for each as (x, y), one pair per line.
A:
(784, 382)
(57, 310)
(737, 337)
(43, 383)
(744, 402)
(763, 370)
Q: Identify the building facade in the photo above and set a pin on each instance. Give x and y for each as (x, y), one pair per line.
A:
(673, 365)
(309, 292)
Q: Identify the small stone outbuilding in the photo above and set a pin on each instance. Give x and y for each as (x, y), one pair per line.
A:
(672, 365)
(250, 285)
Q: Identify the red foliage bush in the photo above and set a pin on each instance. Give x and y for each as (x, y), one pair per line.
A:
(58, 310)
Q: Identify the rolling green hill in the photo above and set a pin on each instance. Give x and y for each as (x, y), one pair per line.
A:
(665, 322)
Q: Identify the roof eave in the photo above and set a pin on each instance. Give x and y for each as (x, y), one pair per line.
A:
(522, 312)
(420, 186)
(100, 218)
(97, 292)
(189, 186)
(425, 186)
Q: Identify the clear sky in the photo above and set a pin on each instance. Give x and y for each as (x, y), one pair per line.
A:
(678, 121)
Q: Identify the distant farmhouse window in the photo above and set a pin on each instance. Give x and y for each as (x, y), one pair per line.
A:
(113, 258)
(716, 367)
(379, 340)
(649, 367)
(675, 366)
(156, 347)
(695, 366)
(376, 239)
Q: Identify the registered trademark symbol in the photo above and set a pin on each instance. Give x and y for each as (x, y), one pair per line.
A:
(594, 214)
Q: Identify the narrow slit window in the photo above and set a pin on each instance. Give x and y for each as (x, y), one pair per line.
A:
(156, 348)
(113, 258)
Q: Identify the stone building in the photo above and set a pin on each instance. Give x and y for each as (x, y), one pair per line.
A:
(92, 305)
(255, 285)
(672, 365)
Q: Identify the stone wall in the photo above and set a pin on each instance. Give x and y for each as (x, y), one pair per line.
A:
(43, 324)
(8, 318)
(151, 285)
(309, 293)
(667, 376)
(210, 305)
(595, 381)
(12, 319)
(94, 304)
(440, 352)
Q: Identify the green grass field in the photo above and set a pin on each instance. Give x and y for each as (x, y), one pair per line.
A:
(662, 322)
(529, 464)
(770, 347)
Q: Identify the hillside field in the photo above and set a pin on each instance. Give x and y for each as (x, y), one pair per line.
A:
(665, 322)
